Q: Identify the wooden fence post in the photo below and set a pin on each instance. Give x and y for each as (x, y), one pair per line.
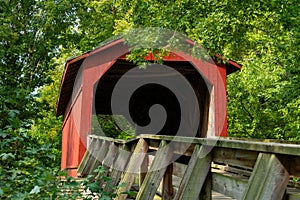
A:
(167, 190)
(135, 163)
(195, 174)
(268, 180)
(156, 172)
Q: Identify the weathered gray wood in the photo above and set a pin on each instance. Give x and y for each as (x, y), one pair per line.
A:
(195, 174)
(206, 191)
(271, 147)
(89, 159)
(167, 186)
(134, 165)
(85, 158)
(119, 165)
(242, 172)
(229, 185)
(236, 157)
(100, 155)
(293, 193)
(176, 182)
(179, 169)
(108, 160)
(120, 141)
(219, 196)
(143, 170)
(111, 156)
(268, 180)
(156, 172)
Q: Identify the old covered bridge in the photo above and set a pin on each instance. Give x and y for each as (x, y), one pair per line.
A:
(202, 165)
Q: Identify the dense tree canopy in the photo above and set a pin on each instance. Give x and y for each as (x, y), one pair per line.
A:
(37, 36)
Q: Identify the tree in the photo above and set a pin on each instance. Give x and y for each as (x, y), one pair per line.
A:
(37, 36)
(262, 36)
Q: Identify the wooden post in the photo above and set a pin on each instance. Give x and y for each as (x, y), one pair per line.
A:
(156, 172)
(206, 191)
(143, 170)
(135, 163)
(167, 190)
(269, 179)
(195, 174)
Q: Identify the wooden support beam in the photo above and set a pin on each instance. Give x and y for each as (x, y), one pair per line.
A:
(206, 191)
(88, 158)
(156, 172)
(119, 165)
(143, 170)
(108, 160)
(134, 164)
(269, 179)
(110, 157)
(100, 155)
(167, 186)
(195, 174)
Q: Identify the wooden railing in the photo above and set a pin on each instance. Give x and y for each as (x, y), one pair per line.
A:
(191, 168)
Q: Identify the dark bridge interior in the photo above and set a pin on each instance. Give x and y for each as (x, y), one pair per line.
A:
(147, 95)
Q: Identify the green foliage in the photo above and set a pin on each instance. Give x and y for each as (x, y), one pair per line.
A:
(29, 170)
(262, 36)
(115, 126)
(37, 36)
(24, 164)
(100, 186)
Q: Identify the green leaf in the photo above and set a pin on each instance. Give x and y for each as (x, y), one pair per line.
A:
(5, 156)
(35, 190)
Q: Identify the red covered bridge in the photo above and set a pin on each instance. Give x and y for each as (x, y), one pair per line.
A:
(92, 76)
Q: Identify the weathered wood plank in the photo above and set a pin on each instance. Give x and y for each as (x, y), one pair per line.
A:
(119, 165)
(179, 169)
(236, 157)
(134, 164)
(206, 191)
(268, 180)
(167, 186)
(143, 170)
(111, 156)
(156, 172)
(246, 173)
(195, 174)
(109, 160)
(100, 155)
(219, 196)
(85, 157)
(229, 185)
(293, 193)
(86, 164)
(271, 147)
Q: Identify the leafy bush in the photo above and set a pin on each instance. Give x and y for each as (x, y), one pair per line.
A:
(115, 126)
(29, 170)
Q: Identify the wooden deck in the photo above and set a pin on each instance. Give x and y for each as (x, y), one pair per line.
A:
(230, 169)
